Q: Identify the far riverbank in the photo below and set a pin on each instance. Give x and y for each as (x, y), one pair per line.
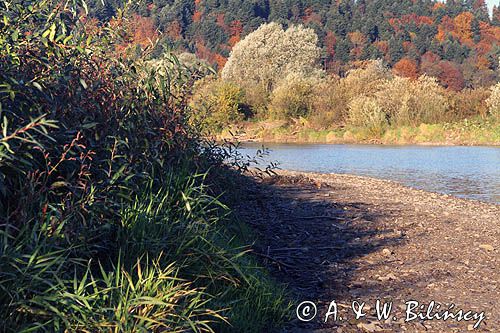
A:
(464, 133)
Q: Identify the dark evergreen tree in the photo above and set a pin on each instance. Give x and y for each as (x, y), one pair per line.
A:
(476, 30)
(343, 50)
(396, 51)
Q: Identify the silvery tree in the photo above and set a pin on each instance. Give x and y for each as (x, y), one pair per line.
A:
(270, 53)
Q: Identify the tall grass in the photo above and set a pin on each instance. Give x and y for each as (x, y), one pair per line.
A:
(107, 220)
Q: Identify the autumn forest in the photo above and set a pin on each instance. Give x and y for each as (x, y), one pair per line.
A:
(457, 41)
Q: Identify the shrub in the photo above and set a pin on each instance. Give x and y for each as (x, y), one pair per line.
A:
(408, 102)
(106, 222)
(257, 100)
(333, 97)
(468, 103)
(365, 81)
(366, 112)
(217, 103)
(493, 102)
(292, 98)
(329, 108)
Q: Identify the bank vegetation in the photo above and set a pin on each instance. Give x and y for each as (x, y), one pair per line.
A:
(272, 88)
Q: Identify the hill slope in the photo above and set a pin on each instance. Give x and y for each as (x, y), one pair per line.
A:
(456, 41)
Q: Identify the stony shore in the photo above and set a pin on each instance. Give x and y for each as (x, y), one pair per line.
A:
(349, 238)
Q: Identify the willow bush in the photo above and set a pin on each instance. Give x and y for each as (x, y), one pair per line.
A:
(292, 97)
(366, 112)
(106, 220)
(413, 102)
(270, 53)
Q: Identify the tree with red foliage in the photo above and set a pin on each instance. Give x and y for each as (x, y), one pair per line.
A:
(406, 67)
(451, 77)
(220, 20)
(429, 64)
(330, 42)
(235, 29)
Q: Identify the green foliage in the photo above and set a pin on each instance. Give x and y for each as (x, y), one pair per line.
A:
(106, 221)
(218, 103)
(292, 98)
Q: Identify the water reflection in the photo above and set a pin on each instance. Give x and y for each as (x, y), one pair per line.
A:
(467, 172)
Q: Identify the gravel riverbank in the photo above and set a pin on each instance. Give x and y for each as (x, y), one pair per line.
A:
(348, 238)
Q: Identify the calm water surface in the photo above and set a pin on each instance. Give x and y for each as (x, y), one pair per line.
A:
(467, 172)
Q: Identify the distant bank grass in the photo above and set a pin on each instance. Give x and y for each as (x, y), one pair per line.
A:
(466, 132)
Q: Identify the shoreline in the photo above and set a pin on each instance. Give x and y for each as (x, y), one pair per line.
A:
(329, 177)
(383, 144)
(472, 133)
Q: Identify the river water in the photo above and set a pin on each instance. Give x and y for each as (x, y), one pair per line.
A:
(466, 172)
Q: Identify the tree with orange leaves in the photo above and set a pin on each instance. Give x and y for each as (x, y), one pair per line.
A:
(134, 31)
(462, 27)
(406, 67)
(174, 30)
(330, 42)
(196, 16)
(142, 31)
(446, 27)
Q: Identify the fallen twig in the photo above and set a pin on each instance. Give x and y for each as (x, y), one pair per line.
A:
(272, 259)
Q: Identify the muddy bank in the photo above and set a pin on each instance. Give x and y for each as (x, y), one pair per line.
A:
(350, 238)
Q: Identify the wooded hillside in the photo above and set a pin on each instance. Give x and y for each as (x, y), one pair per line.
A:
(456, 41)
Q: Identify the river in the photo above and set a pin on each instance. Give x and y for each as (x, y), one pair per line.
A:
(465, 172)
